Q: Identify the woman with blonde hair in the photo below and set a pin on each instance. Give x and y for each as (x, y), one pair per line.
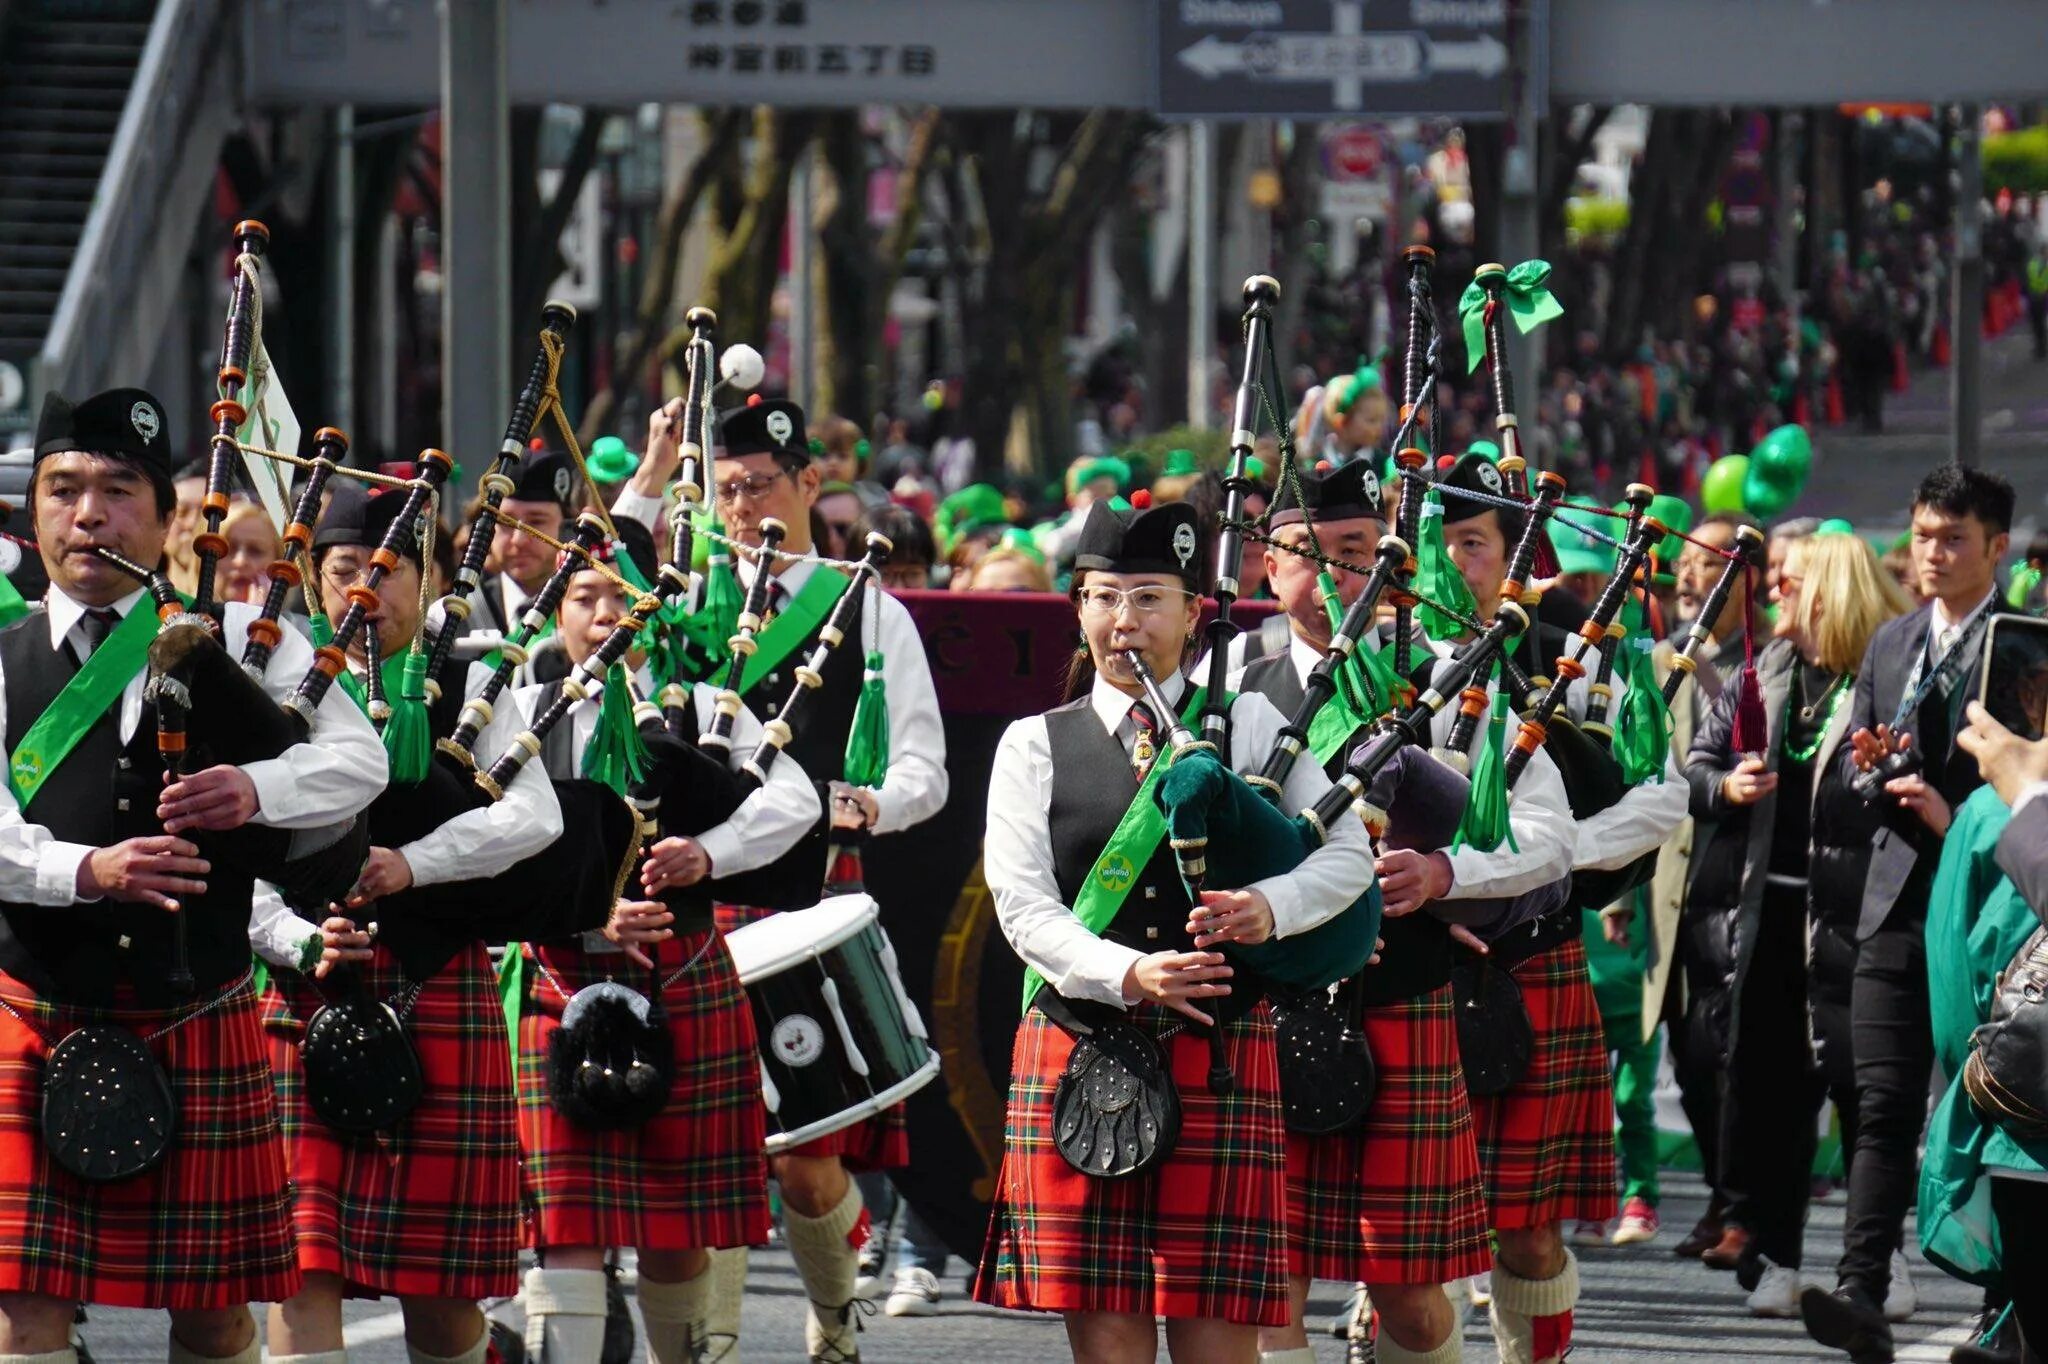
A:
(1771, 920)
(253, 546)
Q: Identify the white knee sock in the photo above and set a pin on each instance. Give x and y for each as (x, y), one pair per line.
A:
(828, 1264)
(475, 1354)
(727, 1292)
(252, 1353)
(322, 1357)
(675, 1317)
(1391, 1351)
(1299, 1355)
(67, 1355)
(565, 1311)
(1532, 1318)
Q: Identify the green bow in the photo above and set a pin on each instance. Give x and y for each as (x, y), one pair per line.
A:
(1530, 303)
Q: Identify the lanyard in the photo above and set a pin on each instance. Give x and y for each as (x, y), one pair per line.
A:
(1929, 678)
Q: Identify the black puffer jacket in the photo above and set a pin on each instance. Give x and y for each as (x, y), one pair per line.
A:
(1732, 850)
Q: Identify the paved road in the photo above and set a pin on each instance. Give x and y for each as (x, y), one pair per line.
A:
(1639, 1304)
(1867, 478)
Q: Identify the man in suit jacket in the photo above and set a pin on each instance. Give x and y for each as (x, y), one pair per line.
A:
(1917, 675)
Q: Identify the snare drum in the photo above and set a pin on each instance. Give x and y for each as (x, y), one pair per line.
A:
(840, 1039)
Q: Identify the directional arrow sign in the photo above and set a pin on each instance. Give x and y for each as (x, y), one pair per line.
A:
(1310, 57)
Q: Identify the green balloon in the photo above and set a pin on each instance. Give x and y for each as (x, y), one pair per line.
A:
(1834, 525)
(1765, 491)
(1785, 456)
(1721, 489)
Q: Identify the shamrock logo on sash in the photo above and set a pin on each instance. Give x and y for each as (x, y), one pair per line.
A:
(27, 767)
(1115, 872)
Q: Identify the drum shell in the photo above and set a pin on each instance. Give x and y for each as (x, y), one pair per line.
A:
(811, 1080)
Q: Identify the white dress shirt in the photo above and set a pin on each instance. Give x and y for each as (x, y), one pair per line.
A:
(338, 770)
(1017, 855)
(916, 784)
(770, 821)
(651, 512)
(277, 934)
(483, 842)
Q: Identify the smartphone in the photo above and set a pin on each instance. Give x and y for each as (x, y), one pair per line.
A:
(2014, 685)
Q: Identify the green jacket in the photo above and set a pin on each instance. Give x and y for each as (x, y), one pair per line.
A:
(1976, 923)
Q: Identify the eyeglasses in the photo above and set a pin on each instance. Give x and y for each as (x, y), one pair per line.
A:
(1142, 601)
(755, 486)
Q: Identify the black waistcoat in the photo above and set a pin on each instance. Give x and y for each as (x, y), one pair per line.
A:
(103, 793)
(824, 723)
(1092, 787)
(1417, 955)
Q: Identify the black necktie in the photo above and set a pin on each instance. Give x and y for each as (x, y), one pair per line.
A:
(1142, 750)
(95, 625)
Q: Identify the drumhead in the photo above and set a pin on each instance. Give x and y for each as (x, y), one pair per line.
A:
(781, 940)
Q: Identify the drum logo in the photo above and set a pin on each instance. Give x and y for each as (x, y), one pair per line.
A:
(1116, 872)
(798, 1040)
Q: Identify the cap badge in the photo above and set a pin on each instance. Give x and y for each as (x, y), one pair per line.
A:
(564, 481)
(1370, 486)
(780, 427)
(1490, 476)
(145, 421)
(1184, 543)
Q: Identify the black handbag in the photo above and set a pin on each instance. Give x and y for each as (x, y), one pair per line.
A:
(108, 1110)
(1495, 1037)
(1326, 1085)
(612, 1062)
(2006, 1072)
(361, 1072)
(1115, 1111)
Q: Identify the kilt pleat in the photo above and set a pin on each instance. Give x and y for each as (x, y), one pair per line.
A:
(691, 1176)
(208, 1228)
(1547, 1144)
(1398, 1199)
(431, 1209)
(868, 1146)
(1204, 1235)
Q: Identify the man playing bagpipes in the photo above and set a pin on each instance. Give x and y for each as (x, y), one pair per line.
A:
(1546, 1142)
(1184, 1217)
(419, 1200)
(102, 891)
(762, 474)
(670, 1177)
(1393, 1201)
(543, 496)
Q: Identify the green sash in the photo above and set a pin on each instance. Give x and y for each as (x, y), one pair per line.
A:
(794, 623)
(80, 705)
(1128, 850)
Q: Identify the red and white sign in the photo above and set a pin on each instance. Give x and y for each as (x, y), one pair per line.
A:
(1354, 153)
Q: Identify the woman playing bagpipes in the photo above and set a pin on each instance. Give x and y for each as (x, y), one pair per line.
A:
(100, 880)
(1392, 1200)
(675, 1177)
(1547, 1141)
(1121, 962)
(426, 1209)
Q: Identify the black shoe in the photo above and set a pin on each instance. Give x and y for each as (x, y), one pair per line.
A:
(1994, 1339)
(1847, 1320)
(1705, 1235)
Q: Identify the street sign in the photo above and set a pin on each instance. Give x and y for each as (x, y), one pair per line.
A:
(1353, 152)
(1313, 58)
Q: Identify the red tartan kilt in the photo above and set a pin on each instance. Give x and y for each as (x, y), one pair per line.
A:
(689, 1178)
(1547, 1144)
(1397, 1199)
(872, 1144)
(208, 1228)
(1204, 1235)
(432, 1209)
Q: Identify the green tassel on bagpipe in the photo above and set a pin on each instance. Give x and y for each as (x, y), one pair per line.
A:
(1436, 577)
(867, 748)
(1486, 825)
(1642, 732)
(409, 733)
(689, 646)
(616, 756)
